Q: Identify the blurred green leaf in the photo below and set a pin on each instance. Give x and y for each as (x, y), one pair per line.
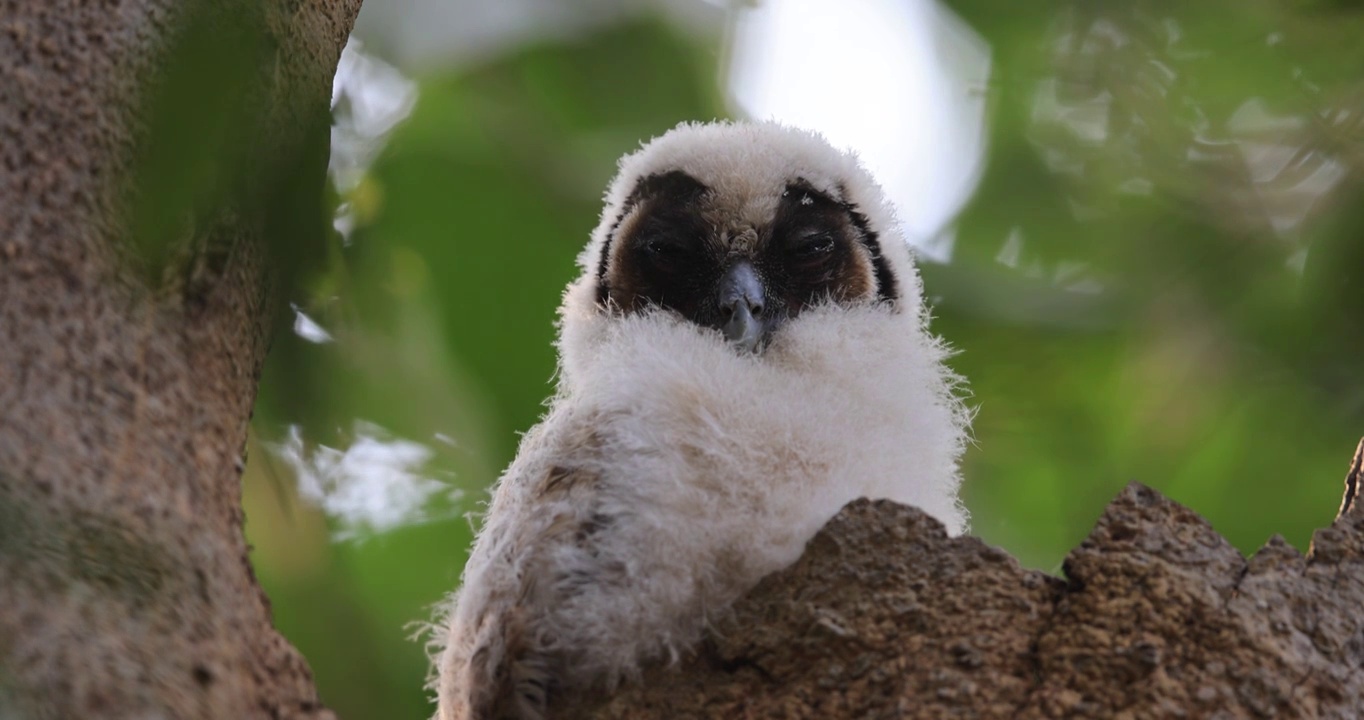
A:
(191, 158)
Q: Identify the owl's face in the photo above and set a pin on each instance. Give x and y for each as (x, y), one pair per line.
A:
(740, 260)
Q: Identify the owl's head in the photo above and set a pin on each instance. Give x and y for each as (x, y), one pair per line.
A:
(748, 293)
(740, 228)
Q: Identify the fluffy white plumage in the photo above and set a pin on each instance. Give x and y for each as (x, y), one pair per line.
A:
(671, 472)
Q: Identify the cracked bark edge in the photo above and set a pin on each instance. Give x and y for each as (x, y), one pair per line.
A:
(1158, 616)
(1352, 480)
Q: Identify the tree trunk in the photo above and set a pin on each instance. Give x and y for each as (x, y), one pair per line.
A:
(134, 313)
(1159, 617)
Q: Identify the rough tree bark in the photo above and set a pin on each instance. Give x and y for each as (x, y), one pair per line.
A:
(125, 389)
(1159, 617)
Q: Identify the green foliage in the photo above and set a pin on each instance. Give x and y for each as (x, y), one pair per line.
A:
(1210, 367)
(186, 161)
(1125, 306)
(210, 156)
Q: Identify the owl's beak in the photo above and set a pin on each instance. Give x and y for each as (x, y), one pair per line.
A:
(741, 306)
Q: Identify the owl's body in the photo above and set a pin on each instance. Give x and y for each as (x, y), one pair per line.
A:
(696, 445)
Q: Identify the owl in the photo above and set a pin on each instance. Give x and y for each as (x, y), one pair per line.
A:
(745, 351)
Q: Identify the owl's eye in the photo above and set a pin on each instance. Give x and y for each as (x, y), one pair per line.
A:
(813, 246)
(664, 250)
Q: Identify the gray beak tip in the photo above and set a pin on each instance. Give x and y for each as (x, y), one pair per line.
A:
(741, 298)
(743, 330)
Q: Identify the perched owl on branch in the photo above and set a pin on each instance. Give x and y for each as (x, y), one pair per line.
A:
(745, 352)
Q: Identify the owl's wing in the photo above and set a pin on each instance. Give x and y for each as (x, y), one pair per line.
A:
(496, 666)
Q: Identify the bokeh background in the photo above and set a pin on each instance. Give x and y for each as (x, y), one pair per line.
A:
(1138, 222)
